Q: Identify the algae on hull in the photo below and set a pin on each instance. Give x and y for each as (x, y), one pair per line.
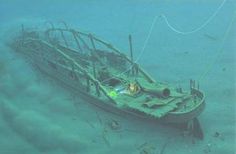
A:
(98, 70)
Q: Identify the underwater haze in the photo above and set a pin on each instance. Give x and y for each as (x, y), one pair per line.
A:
(174, 41)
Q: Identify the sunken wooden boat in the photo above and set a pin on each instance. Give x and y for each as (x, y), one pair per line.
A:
(105, 77)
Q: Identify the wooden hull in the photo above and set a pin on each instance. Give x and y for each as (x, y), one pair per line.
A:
(69, 68)
(172, 117)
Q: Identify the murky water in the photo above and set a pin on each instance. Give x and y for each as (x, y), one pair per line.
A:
(173, 41)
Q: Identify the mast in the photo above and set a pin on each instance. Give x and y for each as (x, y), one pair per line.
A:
(108, 45)
(93, 55)
(131, 54)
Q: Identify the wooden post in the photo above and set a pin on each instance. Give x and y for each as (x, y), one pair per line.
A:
(146, 75)
(131, 54)
(88, 77)
(83, 42)
(88, 83)
(63, 37)
(94, 69)
(77, 41)
(191, 84)
(97, 89)
(136, 69)
(92, 41)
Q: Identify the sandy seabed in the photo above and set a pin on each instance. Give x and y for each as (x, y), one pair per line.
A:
(38, 116)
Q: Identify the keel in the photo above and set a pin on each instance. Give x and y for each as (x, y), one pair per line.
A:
(194, 128)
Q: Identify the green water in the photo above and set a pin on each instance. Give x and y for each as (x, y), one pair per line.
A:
(173, 41)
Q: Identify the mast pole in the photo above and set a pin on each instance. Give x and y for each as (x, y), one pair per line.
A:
(131, 54)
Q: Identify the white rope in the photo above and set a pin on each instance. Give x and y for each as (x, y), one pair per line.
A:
(141, 52)
(172, 28)
(196, 29)
(220, 51)
(147, 39)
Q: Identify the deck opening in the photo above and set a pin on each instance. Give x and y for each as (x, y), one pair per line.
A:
(113, 82)
(166, 92)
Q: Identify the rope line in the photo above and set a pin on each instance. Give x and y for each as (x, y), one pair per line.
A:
(177, 31)
(141, 52)
(147, 39)
(220, 52)
(196, 29)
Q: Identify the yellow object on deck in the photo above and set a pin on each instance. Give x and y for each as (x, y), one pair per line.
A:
(133, 88)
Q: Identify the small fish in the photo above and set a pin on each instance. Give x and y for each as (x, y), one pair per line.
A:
(210, 37)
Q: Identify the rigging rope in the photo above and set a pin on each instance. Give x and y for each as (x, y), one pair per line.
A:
(173, 29)
(190, 32)
(196, 29)
(147, 39)
(141, 52)
(220, 52)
